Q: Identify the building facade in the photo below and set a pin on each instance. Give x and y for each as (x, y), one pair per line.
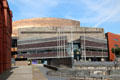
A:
(113, 42)
(89, 48)
(42, 29)
(95, 48)
(5, 36)
(43, 48)
(53, 27)
(58, 47)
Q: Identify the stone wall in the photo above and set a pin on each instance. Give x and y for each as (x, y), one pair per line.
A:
(48, 32)
(52, 27)
(61, 62)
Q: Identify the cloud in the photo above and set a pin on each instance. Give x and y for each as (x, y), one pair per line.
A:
(106, 10)
(32, 8)
(98, 12)
(95, 12)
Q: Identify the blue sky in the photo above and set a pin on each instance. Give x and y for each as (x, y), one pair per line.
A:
(91, 13)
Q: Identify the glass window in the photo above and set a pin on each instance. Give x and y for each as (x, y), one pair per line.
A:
(116, 40)
(14, 42)
(116, 45)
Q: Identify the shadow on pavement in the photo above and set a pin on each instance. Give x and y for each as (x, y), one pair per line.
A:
(5, 75)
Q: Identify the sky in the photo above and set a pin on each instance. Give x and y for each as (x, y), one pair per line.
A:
(91, 13)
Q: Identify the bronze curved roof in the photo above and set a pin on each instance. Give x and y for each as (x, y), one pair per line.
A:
(43, 22)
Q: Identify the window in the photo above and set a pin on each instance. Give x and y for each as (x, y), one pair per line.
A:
(14, 42)
(116, 40)
(116, 45)
(23, 52)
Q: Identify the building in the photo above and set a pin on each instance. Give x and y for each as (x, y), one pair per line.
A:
(113, 42)
(42, 48)
(5, 36)
(52, 27)
(58, 51)
(60, 47)
(89, 48)
(55, 51)
(95, 48)
(32, 33)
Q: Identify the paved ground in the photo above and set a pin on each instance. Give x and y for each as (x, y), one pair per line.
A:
(23, 73)
(37, 73)
(18, 73)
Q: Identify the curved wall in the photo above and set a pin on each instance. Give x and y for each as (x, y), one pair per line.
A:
(43, 22)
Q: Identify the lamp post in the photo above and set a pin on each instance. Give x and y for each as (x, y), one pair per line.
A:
(84, 46)
(72, 43)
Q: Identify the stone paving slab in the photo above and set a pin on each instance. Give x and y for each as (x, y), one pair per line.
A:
(37, 74)
(18, 73)
(21, 73)
(32, 72)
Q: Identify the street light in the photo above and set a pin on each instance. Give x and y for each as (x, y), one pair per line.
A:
(84, 46)
(72, 43)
